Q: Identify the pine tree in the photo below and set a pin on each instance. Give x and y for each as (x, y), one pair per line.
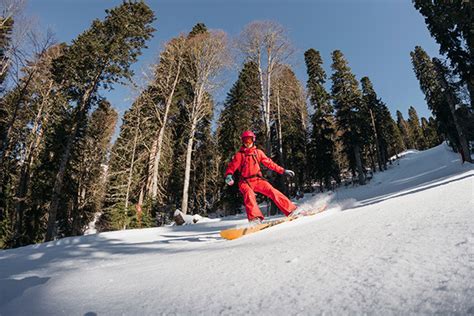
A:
(98, 58)
(46, 166)
(415, 128)
(380, 122)
(453, 102)
(391, 138)
(87, 171)
(290, 127)
(394, 136)
(347, 102)
(430, 133)
(203, 177)
(441, 98)
(267, 45)
(240, 112)
(405, 131)
(322, 162)
(199, 28)
(126, 170)
(450, 23)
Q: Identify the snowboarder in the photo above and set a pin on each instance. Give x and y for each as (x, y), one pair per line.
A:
(247, 160)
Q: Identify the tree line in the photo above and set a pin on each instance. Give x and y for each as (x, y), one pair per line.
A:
(60, 172)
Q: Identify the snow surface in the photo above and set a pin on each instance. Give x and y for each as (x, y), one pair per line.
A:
(403, 244)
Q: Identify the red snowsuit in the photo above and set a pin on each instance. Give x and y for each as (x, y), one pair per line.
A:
(247, 161)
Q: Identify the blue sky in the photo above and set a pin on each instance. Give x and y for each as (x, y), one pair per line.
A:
(376, 36)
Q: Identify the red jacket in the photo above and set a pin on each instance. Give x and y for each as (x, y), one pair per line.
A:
(247, 161)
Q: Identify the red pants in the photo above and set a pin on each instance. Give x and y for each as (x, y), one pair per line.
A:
(250, 186)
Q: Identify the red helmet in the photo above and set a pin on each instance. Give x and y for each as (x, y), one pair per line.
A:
(247, 134)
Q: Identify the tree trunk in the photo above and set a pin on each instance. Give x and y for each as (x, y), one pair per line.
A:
(30, 156)
(372, 158)
(280, 134)
(187, 171)
(268, 109)
(161, 133)
(452, 107)
(59, 179)
(470, 86)
(132, 163)
(4, 150)
(58, 184)
(377, 141)
(283, 183)
(151, 159)
(466, 153)
(360, 169)
(262, 98)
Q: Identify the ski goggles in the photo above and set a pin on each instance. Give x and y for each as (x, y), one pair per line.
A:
(247, 140)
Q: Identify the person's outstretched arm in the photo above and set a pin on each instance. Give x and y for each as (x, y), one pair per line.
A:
(269, 163)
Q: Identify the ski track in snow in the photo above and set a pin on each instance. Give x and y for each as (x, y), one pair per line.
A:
(402, 244)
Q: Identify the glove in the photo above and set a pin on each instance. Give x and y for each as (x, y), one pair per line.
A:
(289, 173)
(229, 180)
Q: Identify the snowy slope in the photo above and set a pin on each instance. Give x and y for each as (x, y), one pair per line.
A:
(402, 244)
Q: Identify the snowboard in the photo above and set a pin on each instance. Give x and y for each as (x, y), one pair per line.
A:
(235, 233)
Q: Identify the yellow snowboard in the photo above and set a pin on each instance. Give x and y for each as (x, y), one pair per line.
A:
(235, 233)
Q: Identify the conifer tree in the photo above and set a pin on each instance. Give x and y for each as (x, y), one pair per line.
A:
(322, 162)
(202, 170)
(290, 127)
(347, 102)
(450, 23)
(391, 138)
(267, 45)
(240, 112)
(452, 100)
(441, 98)
(429, 85)
(87, 171)
(99, 57)
(43, 173)
(415, 128)
(379, 117)
(405, 131)
(198, 28)
(394, 136)
(430, 133)
(125, 170)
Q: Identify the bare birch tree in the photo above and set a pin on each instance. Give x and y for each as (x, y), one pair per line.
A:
(266, 44)
(42, 108)
(12, 31)
(167, 75)
(207, 54)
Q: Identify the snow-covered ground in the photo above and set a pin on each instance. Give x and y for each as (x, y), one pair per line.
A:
(403, 244)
